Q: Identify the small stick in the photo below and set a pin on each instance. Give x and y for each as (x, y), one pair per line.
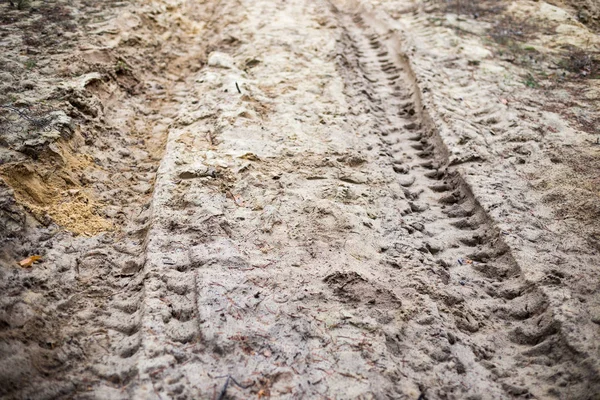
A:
(238, 88)
(210, 138)
(224, 390)
(232, 379)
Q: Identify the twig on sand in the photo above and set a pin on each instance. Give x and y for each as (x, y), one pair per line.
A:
(209, 138)
(226, 385)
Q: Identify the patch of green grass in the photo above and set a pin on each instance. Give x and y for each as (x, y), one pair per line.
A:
(121, 67)
(30, 64)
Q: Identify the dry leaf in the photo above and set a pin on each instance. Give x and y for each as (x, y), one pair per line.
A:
(250, 156)
(27, 262)
(264, 393)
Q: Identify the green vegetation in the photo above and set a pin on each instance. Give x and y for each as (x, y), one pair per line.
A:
(30, 64)
(530, 81)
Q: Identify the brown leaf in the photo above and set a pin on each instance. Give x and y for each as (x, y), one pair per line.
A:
(27, 262)
(263, 393)
(250, 156)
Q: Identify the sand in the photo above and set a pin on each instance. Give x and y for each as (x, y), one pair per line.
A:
(302, 199)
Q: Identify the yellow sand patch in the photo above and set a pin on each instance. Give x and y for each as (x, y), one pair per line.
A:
(51, 188)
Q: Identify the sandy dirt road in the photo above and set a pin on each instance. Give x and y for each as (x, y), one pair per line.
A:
(292, 224)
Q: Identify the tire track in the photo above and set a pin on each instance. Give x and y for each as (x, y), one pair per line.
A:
(505, 320)
(154, 321)
(124, 307)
